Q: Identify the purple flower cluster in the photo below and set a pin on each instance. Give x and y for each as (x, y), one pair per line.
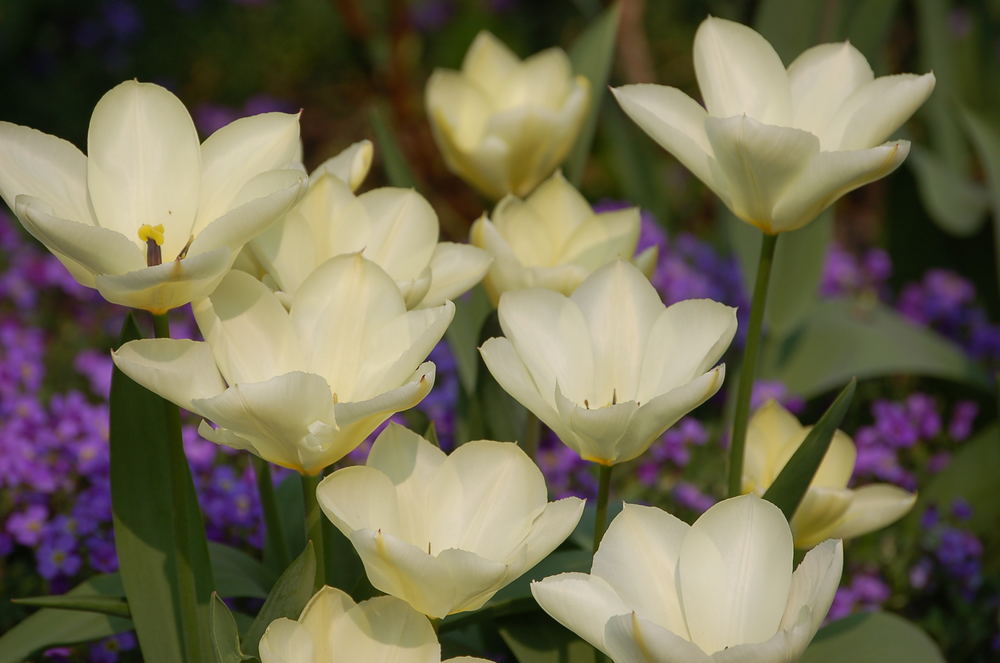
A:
(953, 555)
(867, 591)
(888, 447)
(846, 273)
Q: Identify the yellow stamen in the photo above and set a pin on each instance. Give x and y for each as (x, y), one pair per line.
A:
(148, 232)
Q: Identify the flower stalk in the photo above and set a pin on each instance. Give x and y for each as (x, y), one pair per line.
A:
(603, 494)
(314, 525)
(738, 443)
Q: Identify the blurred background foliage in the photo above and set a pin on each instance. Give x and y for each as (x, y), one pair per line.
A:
(919, 247)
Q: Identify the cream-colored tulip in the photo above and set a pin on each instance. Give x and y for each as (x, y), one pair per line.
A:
(779, 146)
(335, 629)
(149, 218)
(829, 509)
(609, 368)
(396, 228)
(300, 387)
(445, 533)
(504, 125)
(553, 239)
(721, 590)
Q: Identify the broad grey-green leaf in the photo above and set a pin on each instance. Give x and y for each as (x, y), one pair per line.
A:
(956, 203)
(874, 637)
(290, 594)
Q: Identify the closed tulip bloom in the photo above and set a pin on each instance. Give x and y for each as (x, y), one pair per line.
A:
(445, 533)
(553, 239)
(149, 217)
(396, 228)
(335, 629)
(829, 509)
(300, 387)
(609, 368)
(779, 146)
(720, 590)
(504, 125)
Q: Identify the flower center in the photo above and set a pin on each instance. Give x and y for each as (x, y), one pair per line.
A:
(153, 237)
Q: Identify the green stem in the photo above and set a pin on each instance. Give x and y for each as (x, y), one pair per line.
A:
(161, 325)
(532, 434)
(276, 546)
(314, 525)
(603, 492)
(747, 370)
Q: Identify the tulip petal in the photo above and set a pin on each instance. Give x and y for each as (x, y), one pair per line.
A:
(393, 352)
(261, 203)
(735, 573)
(787, 645)
(595, 433)
(510, 373)
(543, 78)
(383, 630)
(455, 268)
(759, 163)
(675, 121)
(740, 73)
(828, 176)
(772, 436)
(144, 163)
(172, 284)
(813, 587)
(820, 508)
(558, 206)
(531, 236)
(620, 306)
(248, 330)
(404, 231)
(686, 340)
(582, 603)
(632, 639)
(361, 497)
(239, 152)
(874, 506)
(459, 111)
(286, 641)
(180, 370)
(326, 614)
(351, 166)
(838, 463)
(99, 250)
(603, 238)
(549, 334)
(821, 79)
(638, 558)
(36, 164)
(877, 109)
(556, 522)
(435, 584)
(489, 62)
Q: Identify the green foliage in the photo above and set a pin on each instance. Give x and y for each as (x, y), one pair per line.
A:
(287, 598)
(874, 637)
(225, 634)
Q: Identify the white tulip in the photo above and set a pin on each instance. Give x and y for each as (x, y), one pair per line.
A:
(778, 147)
(445, 533)
(504, 125)
(721, 590)
(829, 509)
(149, 218)
(396, 228)
(300, 388)
(553, 239)
(609, 368)
(335, 629)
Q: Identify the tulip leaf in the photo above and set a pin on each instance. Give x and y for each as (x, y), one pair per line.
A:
(159, 530)
(638, 165)
(225, 634)
(844, 338)
(105, 605)
(537, 638)
(50, 627)
(463, 335)
(292, 511)
(287, 598)
(791, 483)
(957, 204)
(397, 168)
(592, 55)
(873, 637)
(985, 134)
(237, 573)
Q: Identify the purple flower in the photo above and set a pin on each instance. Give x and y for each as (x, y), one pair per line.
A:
(690, 496)
(962, 418)
(27, 526)
(57, 557)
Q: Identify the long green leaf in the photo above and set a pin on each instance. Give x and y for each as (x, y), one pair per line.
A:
(225, 634)
(843, 338)
(463, 335)
(874, 637)
(985, 134)
(159, 530)
(397, 168)
(50, 627)
(537, 638)
(289, 595)
(238, 574)
(790, 486)
(105, 605)
(592, 55)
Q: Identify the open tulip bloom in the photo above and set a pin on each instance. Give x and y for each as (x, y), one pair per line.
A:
(149, 218)
(335, 629)
(722, 589)
(445, 533)
(300, 388)
(504, 125)
(553, 239)
(396, 228)
(778, 146)
(609, 368)
(829, 509)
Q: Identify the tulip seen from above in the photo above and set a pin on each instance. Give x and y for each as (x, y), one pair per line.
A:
(504, 125)
(149, 217)
(829, 508)
(446, 532)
